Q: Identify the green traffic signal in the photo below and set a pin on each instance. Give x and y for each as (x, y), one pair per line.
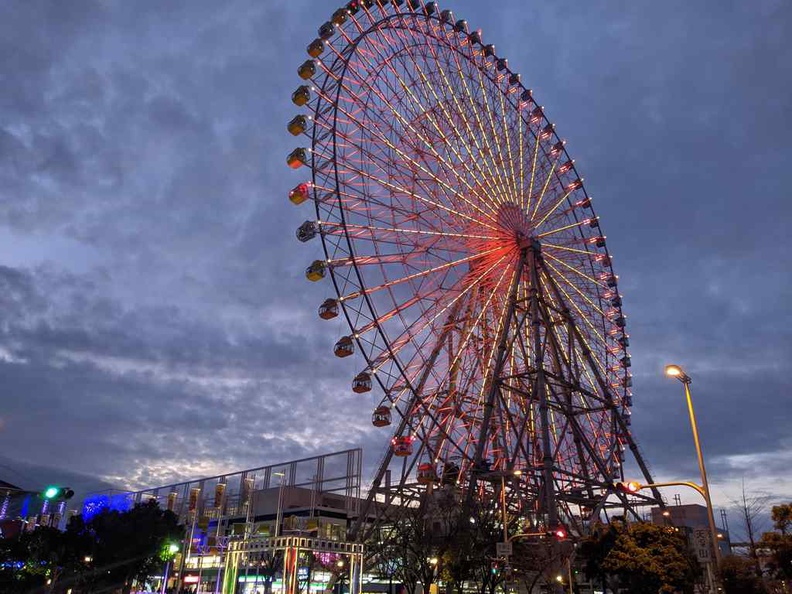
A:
(169, 550)
(55, 492)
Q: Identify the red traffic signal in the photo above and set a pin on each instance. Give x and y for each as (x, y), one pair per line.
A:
(630, 487)
(559, 533)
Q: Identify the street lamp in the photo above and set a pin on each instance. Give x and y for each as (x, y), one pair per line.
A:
(677, 372)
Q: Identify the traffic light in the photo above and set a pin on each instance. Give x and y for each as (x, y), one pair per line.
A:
(559, 533)
(169, 550)
(54, 493)
(630, 487)
(495, 567)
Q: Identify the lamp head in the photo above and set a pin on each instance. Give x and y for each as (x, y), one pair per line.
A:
(677, 372)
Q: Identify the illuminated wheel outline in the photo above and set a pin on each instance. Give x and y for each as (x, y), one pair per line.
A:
(443, 195)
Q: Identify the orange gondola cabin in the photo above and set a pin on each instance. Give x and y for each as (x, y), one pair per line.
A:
(344, 347)
(329, 309)
(427, 474)
(381, 416)
(361, 383)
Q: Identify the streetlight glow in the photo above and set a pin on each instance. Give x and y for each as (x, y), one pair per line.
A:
(677, 372)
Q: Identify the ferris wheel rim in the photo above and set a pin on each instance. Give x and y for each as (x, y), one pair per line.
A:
(374, 28)
(343, 272)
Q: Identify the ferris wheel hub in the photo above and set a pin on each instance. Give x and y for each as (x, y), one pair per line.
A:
(516, 226)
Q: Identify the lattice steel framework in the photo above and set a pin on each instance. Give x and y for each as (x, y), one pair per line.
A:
(468, 261)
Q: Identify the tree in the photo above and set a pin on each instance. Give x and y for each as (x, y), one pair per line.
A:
(642, 557)
(126, 546)
(752, 509)
(595, 548)
(738, 576)
(779, 544)
(782, 517)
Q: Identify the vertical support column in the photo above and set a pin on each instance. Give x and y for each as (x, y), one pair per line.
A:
(541, 388)
(355, 573)
(494, 387)
(535, 255)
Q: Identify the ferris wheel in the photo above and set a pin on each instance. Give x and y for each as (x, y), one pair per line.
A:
(466, 256)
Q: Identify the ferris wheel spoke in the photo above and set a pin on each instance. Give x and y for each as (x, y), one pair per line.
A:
(386, 231)
(594, 332)
(585, 297)
(480, 135)
(574, 270)
(419, 274)
(425, 84)
(548, 179)
(400, 341)
(485, 127)
(473, 104)
(382, 162)
(383, 135)
(407, 124)
(366, 174)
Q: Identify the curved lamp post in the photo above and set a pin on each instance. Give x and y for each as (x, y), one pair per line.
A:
(677, 372)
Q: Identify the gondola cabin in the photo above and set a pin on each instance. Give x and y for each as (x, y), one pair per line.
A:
(315, 48)
(316, 271)
(339, 17)
(326, 31)
(362, 383)
(426, 474)
(307, 231)
(344, 347)
(297, 125)
(297, 158)
(450, 474)
(300, 194)
(381, 416)
(307, 69)
(402, 446)
(301, 96)
(329, 309)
